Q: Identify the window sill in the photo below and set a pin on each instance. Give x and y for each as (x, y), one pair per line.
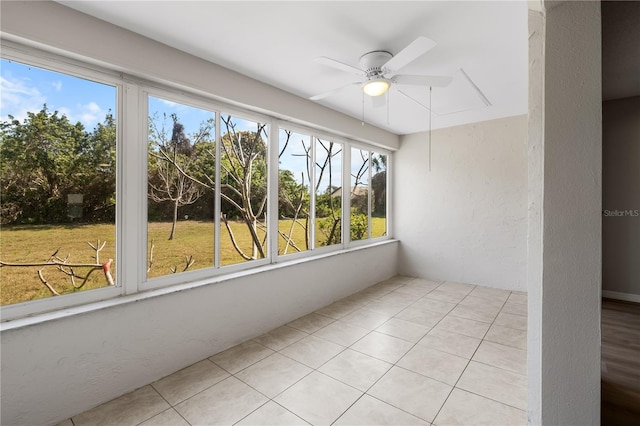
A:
(149, 294)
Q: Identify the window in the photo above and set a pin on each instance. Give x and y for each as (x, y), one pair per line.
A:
(294, 177)
(243, 182)
(328, 184)
(194, 189)
(58, 167)
(181, 188)
(368, 194)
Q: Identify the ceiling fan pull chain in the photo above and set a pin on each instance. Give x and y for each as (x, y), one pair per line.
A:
(362, 108)
(430, 88)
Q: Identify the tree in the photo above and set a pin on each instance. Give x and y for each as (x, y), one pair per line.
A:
(46, 157)
(170, 159)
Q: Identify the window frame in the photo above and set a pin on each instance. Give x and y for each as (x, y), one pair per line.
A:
(47, 61)
(132, 94)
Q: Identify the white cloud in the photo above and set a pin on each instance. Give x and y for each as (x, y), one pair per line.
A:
(17, 97)
(57, 85)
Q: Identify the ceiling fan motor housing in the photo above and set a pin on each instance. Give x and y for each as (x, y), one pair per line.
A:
(371, 63)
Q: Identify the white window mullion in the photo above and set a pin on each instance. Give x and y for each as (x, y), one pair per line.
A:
(133, 189)
(346, 195)
(217, 199)
(369, 196)
(312, 192)
(273, 149)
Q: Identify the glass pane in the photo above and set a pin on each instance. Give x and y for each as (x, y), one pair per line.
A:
(58, 183)
(243, 178)
(294, 174)
(379, 195)
(359, 194)
(181, 188)
(328, 187)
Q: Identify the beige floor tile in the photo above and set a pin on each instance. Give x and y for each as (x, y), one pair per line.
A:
(436, 364)
(400, 297)
(130, 409)
(505, 357)
(169, 417)
(311, 323)
(509, 320)
(355, 369)
(518, 298)
(490, 293)
(189, 381)
(411, 392)
(222, 404)
(405, 330)
(434, 305)
(382, 346)
(495, 383)
(415, 290)
(458, 288)
(420, 316)
(515, 308)
(338, 309)
(318, 399)
(369, 411)
(482, 302)
(477, 313)
(386, 306)
(450, 342)
(507, 336)
(67, 422)
(241, 356)
(464, 326)
(273, 374)
(312, 351)
(341, 333)
(366, 319)
(358, 300)
(465, 408)
(271, 414)
(280, 338)
(376, 292)
(445, 296)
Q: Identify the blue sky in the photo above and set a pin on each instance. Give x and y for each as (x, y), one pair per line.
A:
(26, 89)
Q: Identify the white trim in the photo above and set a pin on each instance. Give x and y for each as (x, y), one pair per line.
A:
(627, 297)
(158, 292)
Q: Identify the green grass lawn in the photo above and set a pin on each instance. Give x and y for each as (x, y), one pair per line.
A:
(30, 244)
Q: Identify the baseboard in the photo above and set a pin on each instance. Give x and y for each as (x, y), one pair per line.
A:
(627, 297)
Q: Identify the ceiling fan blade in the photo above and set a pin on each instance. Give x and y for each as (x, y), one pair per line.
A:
(331, 92)
(338, 65)
(416, 48)
(423, 80)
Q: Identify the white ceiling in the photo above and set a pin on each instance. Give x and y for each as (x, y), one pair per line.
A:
(276, 43)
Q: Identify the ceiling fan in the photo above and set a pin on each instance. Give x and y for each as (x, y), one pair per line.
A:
(380, 70)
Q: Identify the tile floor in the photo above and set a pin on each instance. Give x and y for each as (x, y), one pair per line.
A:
(405, 351)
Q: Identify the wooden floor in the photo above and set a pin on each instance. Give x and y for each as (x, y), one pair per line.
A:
(620, 363)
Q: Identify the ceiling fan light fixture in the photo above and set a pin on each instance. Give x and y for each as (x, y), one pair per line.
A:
(376, 87)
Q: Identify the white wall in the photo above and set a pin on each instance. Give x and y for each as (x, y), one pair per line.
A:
(621, 198)
(466, 219)
(564, 289)
(56, 369)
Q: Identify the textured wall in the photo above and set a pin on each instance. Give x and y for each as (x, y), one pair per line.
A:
(621, 198)
(569, 298)
(466, 219)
